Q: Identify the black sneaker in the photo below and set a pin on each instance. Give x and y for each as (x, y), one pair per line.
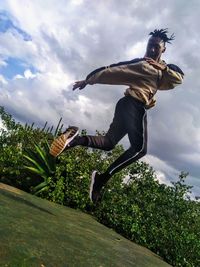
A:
(95, 187)
(63, 141)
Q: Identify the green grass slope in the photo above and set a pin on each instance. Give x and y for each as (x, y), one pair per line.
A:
(36, 232)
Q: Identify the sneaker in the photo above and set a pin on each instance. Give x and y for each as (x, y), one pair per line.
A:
(95, 187)
(63, 141)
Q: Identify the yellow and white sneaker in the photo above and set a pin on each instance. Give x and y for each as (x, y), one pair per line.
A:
(63, 141)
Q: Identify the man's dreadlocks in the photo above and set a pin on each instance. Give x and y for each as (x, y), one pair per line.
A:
(162, 34)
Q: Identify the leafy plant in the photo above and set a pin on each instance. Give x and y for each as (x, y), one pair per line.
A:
(15, 139)
(41, 163)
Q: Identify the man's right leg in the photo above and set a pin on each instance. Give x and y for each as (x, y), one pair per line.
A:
(70, 137)
(115, 133)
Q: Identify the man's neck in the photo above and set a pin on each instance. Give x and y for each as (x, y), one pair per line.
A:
(156, 59)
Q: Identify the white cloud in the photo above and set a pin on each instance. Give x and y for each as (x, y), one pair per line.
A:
(28, 74)
(2, 80)
(137, 50)
(166, 174)
(14, 46)
(2, 63)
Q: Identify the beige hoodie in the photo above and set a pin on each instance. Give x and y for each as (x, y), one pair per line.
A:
(142, 79)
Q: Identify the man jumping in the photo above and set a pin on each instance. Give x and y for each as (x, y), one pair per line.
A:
(143, 76)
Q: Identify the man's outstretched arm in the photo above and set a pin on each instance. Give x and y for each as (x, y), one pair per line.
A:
(119, 74)
(79, 85)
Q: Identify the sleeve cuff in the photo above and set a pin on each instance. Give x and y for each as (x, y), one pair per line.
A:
(165, 69)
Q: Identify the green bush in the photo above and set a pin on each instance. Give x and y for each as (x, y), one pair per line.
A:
(162, 218)
(70, 183)
(15, 138)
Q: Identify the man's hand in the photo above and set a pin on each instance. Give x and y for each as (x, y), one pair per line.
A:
(79, 85)
(155, 64)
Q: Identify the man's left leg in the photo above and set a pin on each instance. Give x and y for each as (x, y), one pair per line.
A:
(137, 150)
(136, 125)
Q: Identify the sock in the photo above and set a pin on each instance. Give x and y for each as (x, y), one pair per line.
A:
(79, 141)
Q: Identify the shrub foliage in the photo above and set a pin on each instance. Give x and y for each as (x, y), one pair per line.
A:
(162, 218)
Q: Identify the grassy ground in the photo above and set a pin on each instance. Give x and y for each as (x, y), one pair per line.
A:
(38, 233)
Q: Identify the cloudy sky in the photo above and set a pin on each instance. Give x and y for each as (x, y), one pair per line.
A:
(47, 45)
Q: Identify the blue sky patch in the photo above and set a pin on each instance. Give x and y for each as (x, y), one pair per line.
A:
(15, 66)
(6, 23)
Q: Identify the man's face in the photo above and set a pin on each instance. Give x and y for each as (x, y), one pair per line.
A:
(155, 48)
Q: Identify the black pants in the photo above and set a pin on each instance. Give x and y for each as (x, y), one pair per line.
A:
(129, 118)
